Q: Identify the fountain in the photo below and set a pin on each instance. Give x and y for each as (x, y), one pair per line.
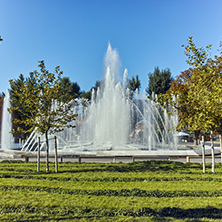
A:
(114, 122)
(7, 140)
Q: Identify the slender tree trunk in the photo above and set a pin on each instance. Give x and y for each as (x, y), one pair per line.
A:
(203, 155)
(56, 157)
(212, 150)
(38, 156)
(47, 152)
(196, 134)
(220, 147)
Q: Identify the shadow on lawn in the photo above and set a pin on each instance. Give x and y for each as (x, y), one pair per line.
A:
(139, 166)
(152, 165)
(194, 214)
(209, 212)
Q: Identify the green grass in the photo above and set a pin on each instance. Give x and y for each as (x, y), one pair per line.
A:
(139, 191)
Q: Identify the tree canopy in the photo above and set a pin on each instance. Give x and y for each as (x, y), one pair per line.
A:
(198, 90)
(133, 85)
(69, 89)
(204, 89)
(159, 81)
(87, 95)
(21, 113)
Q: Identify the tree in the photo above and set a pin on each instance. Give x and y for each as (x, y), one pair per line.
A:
(205, 89)
(99, 85)
(88, 95)
(179, 88)
(159, 81)
(133, 85)
(75, 92)
(194, 84)
(41, 96)
(69, 89)
(85, 98)
(199, 92)
(22, 112)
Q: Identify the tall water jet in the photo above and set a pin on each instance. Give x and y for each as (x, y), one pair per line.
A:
(108, 117)
(114, 118)
(7, 141)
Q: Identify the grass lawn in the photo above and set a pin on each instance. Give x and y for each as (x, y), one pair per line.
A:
(138, 191)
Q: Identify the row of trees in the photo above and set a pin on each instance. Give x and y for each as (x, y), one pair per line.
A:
(159, 82)
(132, 84)
(68, 90)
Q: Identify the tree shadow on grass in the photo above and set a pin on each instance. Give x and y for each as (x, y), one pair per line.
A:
(140, 166)
(196, 213)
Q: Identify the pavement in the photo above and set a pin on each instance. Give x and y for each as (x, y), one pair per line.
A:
(108, 156)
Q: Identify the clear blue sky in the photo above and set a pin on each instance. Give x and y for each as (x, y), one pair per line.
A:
(75, 33)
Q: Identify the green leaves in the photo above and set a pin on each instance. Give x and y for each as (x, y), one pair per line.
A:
(199, 90)
(133, 85)
(159, 81)
(38, 101)
(196, 56)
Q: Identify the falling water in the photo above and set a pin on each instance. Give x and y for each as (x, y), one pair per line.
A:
(7, 140)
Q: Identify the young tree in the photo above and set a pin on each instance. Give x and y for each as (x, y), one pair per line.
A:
(159, 81)
(199, 96)
(205, 89)
(41, 96)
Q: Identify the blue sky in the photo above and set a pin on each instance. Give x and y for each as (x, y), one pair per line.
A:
(74, 34)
